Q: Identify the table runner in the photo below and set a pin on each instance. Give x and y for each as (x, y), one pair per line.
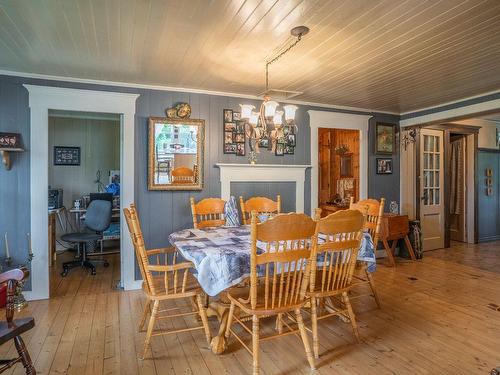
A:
(221, 256)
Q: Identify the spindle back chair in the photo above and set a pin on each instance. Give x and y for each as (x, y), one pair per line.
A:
(333, 264)
(279, 276)
(183, 175)
(261, 205)
(208, 212)
(168, 281)
(374, 212)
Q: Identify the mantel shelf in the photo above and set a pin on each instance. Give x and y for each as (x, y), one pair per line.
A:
(234, 165)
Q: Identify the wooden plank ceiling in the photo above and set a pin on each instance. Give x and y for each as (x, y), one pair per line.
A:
(386, 55)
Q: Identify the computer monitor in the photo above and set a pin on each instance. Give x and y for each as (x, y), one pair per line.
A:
(101, 197)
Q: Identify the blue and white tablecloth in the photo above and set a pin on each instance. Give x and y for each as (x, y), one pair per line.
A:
(221, 256)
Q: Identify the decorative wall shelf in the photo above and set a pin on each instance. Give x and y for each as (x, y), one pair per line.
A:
(5, 153)
(264, 173)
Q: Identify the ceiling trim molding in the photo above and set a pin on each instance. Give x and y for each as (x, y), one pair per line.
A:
(184, 89)
(452, 114)
(416, 111)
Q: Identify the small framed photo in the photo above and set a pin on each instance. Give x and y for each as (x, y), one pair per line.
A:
(228, 115)
(240, 127)
(230, 148)
(280, 149)
(489, 191)
(240, 149)
(229, 126)
(489, 172)
(289, 150)
(64, 155)
(290, 140)
(236, 116)
(239, 137)
(489, 182)
(264, 143)
(228, 137)
(10, 140)
(384, 166)
(385, 138)
(498, 137)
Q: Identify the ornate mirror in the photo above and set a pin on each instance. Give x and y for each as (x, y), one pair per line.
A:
(175, 154)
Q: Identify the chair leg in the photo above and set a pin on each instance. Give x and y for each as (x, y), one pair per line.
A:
(352, 317)
(314, 321)
(229, 320)
(146, 311)
(151, 324)
(279, 323)
(255, 344)
(25, 356)
(369, 277)
(204, 320)
(305, 340)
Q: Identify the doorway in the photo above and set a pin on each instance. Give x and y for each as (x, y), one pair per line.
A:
(41, 100)
(445, 202)
(84, 165)
(338, 156)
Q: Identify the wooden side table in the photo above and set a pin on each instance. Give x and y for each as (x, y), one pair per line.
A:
(327, 209)
(393, 228)
(52, 238)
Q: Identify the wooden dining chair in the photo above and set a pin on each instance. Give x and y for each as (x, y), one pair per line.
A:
(163, 282)
(333, 264)
(261, 205)
(373, 210)
(11, 329)
(182, 175)
(287, 241)
(208, 212)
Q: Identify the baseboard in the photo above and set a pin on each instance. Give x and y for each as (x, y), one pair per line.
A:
(488, 239)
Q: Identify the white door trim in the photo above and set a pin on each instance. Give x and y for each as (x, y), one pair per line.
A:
(337, 120)
(41, 99)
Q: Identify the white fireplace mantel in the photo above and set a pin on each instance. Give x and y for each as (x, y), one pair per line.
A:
(264, 173)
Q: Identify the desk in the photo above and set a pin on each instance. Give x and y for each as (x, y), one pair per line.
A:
(393, 228)
(53, 213)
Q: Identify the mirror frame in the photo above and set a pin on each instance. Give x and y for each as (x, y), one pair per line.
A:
(200, 153)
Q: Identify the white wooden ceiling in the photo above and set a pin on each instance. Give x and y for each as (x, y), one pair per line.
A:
(387, 55)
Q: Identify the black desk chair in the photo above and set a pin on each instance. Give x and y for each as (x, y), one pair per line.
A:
(97, 220)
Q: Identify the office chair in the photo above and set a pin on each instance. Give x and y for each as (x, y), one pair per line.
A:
(97, 220)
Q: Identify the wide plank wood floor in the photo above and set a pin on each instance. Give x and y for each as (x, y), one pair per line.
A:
(440, 315)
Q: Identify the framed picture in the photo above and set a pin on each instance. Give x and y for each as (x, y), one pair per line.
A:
(489, 172)
(228, 115)
(240, 149)
(230, 148)
(290, 140)
(229, 126)
(228, 137)
(239, 137)
(497, 137)
(64, 155)
(236, 116)
(385, 138)
(264, 143)
(289, 150)
(280, 149)
(384, 166)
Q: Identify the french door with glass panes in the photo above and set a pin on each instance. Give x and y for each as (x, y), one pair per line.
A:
(431, 189)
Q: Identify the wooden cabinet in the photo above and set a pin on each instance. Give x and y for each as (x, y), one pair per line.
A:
(393, 228)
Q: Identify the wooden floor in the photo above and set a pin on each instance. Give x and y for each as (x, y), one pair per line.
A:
(440, 315)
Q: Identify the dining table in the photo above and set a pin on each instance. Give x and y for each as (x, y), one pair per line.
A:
(221, 260)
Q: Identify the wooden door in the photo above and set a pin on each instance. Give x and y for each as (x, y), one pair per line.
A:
(325, 165)
(431, 189)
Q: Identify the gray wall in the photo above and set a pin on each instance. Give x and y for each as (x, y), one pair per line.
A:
(99, 142)
(161, 212)
(488, 221)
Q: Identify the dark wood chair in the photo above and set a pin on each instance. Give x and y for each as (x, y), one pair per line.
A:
(13, 328)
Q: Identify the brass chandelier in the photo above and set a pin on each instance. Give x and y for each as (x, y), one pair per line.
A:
(267, 122)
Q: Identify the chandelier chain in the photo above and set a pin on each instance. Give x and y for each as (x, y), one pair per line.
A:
(277, 57)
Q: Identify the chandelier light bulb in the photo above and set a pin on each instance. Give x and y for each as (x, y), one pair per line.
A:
(246, 111)
(254, 118)
(290, 112)
(278, 118)
(270, 108)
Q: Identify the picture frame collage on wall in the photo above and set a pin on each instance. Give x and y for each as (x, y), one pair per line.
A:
(385, 144)
(286, 145)
(234, 136)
